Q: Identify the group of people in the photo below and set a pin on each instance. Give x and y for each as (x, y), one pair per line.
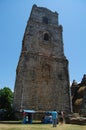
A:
(54, 118)
(57, 118)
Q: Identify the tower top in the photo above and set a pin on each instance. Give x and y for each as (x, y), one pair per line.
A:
(44, 8)
(44, 13)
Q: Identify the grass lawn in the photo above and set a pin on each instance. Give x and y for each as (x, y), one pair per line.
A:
(41, 127)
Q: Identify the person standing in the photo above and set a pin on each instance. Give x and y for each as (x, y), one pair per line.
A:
(54, 118)
(63, 117)
(26, 119)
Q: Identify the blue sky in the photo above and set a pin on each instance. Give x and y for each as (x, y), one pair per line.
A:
(14, 15)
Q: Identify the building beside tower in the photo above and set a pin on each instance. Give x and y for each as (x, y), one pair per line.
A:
(78, 96)
(42, 77)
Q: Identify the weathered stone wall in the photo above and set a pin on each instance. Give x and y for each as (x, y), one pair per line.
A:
(42, 78)
(78, 93)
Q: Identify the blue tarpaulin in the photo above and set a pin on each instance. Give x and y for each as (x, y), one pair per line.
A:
(29, 111)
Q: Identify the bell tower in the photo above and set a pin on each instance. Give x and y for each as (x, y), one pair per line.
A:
(42, 77)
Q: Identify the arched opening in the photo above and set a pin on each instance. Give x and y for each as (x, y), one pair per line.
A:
(46, 37)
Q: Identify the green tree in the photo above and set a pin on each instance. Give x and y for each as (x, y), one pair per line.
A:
(6, 99)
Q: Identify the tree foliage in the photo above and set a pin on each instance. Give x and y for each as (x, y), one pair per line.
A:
(6, 99)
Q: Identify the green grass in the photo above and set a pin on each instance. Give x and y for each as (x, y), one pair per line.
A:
(41, 127)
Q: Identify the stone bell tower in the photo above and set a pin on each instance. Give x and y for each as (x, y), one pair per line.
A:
(42, 78)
